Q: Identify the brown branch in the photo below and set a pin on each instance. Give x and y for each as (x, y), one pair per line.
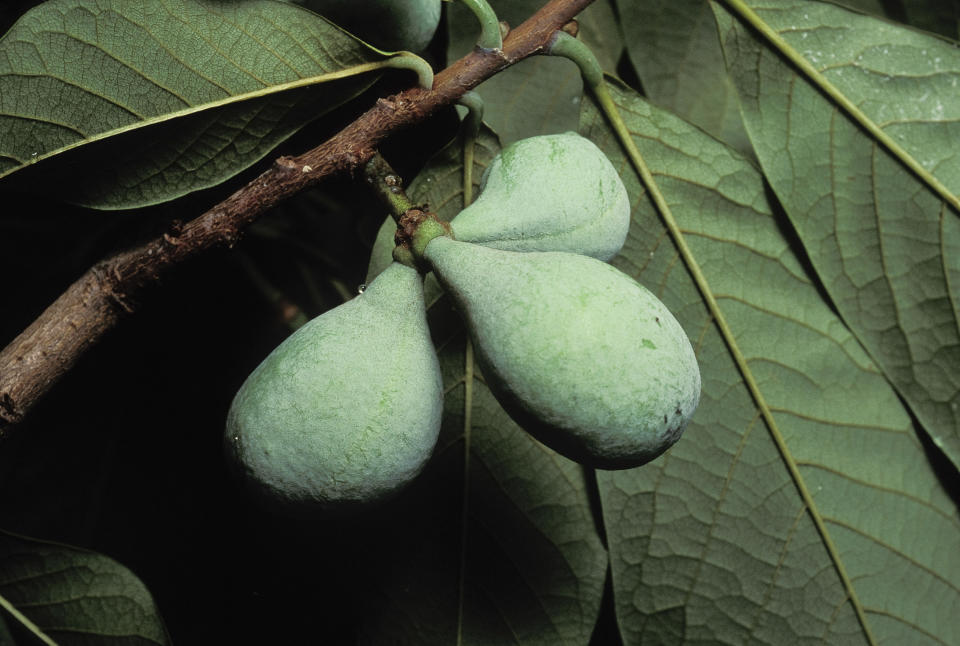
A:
(51, 345)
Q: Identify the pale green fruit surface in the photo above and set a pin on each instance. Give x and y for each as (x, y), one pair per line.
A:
(391, 25)
(582, 356)
(549, 193)
(346, 410)
(545, 193)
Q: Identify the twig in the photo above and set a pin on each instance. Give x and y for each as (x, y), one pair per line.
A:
(106, 293)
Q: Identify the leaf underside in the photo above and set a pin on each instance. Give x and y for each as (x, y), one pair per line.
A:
(716, 542)
(117, 104)
(884, 244)
(72, 596)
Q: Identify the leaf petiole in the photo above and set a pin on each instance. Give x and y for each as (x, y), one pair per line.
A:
(410, 61)
(565, 45)
(490, 36)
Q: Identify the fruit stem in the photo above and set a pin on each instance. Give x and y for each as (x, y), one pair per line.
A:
(490, 36)
(388, 186)
(415, 226)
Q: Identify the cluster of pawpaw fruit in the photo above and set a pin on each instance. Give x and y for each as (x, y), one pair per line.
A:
(347, 410)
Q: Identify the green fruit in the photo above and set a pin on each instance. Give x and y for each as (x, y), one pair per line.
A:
(346, 411)
(578, 353)
(391, 25)
(549, 193)
(545, 193)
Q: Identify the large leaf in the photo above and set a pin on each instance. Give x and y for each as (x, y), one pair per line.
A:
(799, 506)
(513, 556)
(879, 219)
(538, 95)
(674, 49)
(65, 595)
(118, 104)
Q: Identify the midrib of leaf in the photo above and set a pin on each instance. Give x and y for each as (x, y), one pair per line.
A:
(464, 517)
(820, 81)
(468, 145)
(623, 134)
(356, 70)
(29, 625)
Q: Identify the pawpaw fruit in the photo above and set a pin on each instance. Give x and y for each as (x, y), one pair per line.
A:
(346, 411)
(579, 354)
(549, 193)
(554, 192)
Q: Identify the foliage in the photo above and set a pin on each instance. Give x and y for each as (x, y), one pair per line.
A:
(802, 224)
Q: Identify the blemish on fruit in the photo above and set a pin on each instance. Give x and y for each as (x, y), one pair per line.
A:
(647, 343)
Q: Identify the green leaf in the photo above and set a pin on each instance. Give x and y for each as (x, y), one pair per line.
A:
(538, 95)
(511, 554)
(66, 595)
(117, 104)
(674, 48)
(799, 506)
(857, 139)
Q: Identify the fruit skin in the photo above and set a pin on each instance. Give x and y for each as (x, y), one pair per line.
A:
(544, 193)
(549, 193)
(346, 411)
(584, 358)
(390, 25)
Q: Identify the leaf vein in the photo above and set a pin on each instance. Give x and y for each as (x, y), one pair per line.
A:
(952, 519)
(887, 546)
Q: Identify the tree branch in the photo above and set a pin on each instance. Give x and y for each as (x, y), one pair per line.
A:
(105, 294)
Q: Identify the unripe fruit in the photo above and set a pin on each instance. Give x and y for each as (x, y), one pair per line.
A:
(549, 193)
(346, 411)
(391, 25)
(579, 354)
(545, 193)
